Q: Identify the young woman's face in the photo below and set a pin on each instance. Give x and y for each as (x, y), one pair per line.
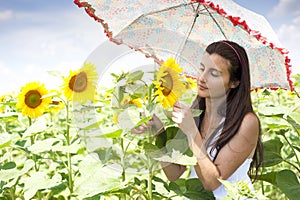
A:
(213, 76)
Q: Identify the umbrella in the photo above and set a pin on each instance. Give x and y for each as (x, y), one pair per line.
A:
(183, 28)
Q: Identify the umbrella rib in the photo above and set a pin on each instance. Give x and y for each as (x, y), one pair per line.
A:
(166, 9)
(216, 22)
(157, 11)
(181, 47)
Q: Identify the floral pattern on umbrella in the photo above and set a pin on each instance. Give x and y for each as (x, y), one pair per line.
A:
(182, 28)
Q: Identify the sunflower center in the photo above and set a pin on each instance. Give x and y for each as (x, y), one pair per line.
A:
(78, 83)
(167, 84)
(33, 98)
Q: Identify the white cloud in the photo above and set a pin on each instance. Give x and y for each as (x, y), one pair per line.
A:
(4, 69)
(286, 7)
(6, 15)
(37, 42)
(288, 12)
(289, 35)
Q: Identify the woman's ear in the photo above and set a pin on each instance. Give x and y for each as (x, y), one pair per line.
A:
(235, 84)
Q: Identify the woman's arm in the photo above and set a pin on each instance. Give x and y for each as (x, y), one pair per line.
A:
(155, 126)
(172, 171)
(230, 157)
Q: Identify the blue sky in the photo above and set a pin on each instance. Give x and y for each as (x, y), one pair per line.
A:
(37, 36)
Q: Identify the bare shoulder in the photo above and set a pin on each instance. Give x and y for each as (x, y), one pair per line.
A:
(250, 125)
(251, 119)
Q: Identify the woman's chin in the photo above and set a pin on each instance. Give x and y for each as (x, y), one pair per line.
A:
(202, 94)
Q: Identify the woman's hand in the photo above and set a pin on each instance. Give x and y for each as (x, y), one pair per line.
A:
(183, 116)
(155, 126)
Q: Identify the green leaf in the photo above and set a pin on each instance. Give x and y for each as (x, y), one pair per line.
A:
(269, 111)
(73, 148)
(6, 175)
(272, 152)
(161, 140)
(191, 188)
(196, 112)
(296, 115)
(285, 180)
(172, 132)
(113, 134)
(8, 165)
(38, 181)
(144, 120)
(293, 122)
(152, 150)
(180, 145)
(178, 186)
(196, 191)
(178, 158)
(288, 183)
(107, 154)
(136, 75)
(296, 147)
(271, 159)
(232, 190)
(129, 118)
(55, 73)
(95, 178)
(9, 114)
(268, 177)
(157, 179)
(274, 145)
(5, 140)
(42, 146)
(52, 94)
(38, 126)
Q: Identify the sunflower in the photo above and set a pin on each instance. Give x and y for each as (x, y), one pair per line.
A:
(191, 83)
(136, 102)
(115, 118)
(2, 101)
(168, 85)
(55, 107)
(30, 99)
(80, 85)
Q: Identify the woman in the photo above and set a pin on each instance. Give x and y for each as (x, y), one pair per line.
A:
(226, 137)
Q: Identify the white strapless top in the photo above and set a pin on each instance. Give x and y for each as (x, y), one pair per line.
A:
(241, 174)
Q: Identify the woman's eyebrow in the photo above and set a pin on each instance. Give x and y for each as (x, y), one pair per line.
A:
(211, 68)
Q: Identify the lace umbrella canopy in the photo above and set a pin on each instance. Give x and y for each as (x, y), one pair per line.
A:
(183, 28)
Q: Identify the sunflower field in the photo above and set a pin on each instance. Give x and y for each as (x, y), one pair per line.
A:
(77, 142)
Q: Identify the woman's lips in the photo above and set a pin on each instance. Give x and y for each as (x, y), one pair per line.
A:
(201, 87)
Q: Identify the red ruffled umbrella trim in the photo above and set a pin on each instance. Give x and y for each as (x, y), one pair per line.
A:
(237, 21)
(91, 12)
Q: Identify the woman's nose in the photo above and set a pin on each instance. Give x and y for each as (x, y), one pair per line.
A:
(202, 77)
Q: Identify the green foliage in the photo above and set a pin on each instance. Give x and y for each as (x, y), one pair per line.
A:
(279, 114)
(240, 190)
(89, 156)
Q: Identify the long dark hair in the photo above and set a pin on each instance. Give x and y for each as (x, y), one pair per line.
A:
(238, 102)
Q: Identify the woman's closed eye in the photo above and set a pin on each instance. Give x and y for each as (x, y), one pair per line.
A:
(215, 72)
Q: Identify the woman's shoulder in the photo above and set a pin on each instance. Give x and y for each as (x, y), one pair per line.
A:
(251, 119)
(250, 125)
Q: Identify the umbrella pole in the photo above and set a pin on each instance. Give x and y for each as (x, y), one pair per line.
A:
(181, 47)
(216, 22)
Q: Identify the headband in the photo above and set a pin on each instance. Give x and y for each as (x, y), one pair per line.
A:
(237, 54)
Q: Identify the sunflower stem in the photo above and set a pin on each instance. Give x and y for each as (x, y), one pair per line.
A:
(123, 160)
(12, 193)
(150, 175)
(68, 153)
(32, 143)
